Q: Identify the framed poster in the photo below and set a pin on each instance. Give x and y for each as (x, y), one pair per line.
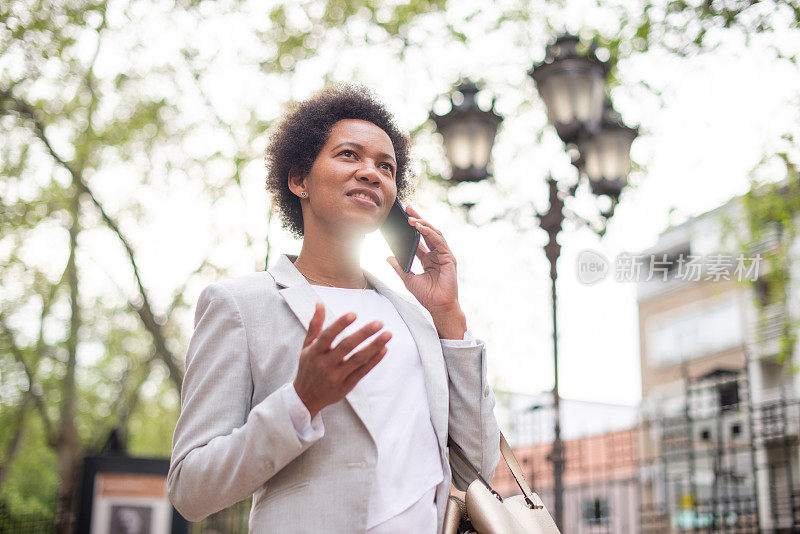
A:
(123, 495)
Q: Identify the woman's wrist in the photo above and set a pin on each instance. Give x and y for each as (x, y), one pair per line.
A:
(450, 321)
(312, 410)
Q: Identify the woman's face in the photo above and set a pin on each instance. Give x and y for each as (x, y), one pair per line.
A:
(357, 159)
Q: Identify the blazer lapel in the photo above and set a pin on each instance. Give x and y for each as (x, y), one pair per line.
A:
(302, 298)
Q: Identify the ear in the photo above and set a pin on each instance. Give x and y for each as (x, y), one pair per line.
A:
(296, 181)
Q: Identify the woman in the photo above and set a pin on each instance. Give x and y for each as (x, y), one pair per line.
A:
(313, 385)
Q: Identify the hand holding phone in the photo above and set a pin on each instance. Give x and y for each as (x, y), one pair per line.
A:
(436, 287)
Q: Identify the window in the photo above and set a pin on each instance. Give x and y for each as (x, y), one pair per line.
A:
(728, 395)
(596, 511)
(694, 331)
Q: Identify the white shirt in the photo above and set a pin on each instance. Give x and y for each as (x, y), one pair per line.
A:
(408, 468)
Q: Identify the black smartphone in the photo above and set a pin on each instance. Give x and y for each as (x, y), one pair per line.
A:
(402, 238)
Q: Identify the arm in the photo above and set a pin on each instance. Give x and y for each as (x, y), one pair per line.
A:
(221, 453)
(472, 422)
(472, 400)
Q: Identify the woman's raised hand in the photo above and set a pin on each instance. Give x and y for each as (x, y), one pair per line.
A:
(323, 375)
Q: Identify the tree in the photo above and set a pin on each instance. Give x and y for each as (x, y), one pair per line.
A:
(73, 352)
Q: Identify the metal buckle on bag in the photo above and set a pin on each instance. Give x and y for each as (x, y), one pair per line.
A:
(531, 505)
(499, 498)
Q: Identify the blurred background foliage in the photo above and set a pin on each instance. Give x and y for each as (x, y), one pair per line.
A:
(107, 108)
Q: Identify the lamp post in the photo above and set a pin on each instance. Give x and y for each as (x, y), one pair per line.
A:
(571, 84)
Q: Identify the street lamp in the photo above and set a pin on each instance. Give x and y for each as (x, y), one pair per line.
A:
(571, 84)
(605, 155)
(468, 133)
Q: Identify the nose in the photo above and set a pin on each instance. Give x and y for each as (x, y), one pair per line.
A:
(369, 174)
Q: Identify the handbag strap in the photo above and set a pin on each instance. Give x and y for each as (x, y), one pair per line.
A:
(511, 462)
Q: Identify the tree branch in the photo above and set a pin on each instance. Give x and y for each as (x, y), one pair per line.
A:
(24, 109)
(128, 398)
(34, 388)
(145, 310)
(177, 295)
(159, 340)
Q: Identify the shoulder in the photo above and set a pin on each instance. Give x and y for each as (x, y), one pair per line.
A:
(246, 296)
(249, 285)
(242, 290)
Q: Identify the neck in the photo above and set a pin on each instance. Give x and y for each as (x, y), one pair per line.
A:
(332, 259)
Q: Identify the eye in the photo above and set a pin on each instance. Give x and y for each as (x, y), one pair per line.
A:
(347, 152)
(389, 166)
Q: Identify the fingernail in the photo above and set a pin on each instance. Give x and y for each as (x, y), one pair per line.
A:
(350, 316)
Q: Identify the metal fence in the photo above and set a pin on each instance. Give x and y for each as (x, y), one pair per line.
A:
(232, 520)
(716, 462)
(28, 523)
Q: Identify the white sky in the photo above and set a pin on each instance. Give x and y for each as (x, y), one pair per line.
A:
(720, 113)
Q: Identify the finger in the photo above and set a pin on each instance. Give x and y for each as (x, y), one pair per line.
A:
(420, 223)
(432, 239)
(360, 357)
(345, 346)
(416, 221)
(315, 325)
(417, 216)
(353, 378)
(411, 211)
(323, 342)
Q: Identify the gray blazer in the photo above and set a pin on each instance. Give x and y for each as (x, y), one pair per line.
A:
(234, 437)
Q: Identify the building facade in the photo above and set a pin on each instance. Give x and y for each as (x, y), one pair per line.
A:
(719, 412)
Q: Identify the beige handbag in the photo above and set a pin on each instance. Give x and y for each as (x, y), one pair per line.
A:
(484, 511)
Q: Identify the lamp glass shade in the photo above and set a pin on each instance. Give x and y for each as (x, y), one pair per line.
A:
(607, 155)
(573, 94)
(469, 143)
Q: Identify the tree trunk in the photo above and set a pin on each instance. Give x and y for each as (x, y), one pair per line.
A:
(67, 443)
(68, 451)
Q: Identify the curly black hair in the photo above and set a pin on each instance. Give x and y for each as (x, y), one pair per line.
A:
(304, 129)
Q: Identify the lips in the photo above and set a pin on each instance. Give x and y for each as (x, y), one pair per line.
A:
(367, 192)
